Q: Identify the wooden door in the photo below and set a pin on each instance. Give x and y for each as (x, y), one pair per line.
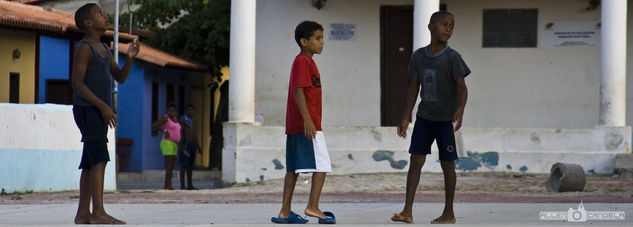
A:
(396, 43)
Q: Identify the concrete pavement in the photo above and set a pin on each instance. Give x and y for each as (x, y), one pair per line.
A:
(348, 214)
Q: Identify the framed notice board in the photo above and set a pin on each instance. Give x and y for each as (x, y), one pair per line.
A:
(510, 27)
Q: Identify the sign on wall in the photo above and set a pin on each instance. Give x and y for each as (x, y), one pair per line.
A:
(570, 34)
(343, 32)
(509, 28)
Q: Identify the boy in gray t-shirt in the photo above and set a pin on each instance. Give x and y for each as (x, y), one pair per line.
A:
(440, 71)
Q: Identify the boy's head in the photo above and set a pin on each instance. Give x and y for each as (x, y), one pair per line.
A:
(189, 110)
(441, 26)
(91, 15)
(171, 109)
(309, 36)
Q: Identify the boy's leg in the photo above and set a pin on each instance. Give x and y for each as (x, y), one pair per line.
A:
(413, 179)
(450, 180)
(190, 162)
(83, 211)
(190, 179)
(182, 178)
(289, 186)
(99, 216)
(312, 210)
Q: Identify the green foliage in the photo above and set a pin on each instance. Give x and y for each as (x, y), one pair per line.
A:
(198, 30)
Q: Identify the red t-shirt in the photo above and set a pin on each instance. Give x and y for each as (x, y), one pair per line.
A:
(304, 74)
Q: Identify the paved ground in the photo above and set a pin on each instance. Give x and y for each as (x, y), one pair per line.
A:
(358, 214)
(363, 199)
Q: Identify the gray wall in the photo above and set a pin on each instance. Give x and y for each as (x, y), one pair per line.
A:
(509, 87)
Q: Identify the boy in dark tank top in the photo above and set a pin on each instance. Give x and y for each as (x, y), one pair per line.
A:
(93, 69)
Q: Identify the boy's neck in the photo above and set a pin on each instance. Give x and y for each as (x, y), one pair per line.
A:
(93, 36)
(436, 46)
(307, 53)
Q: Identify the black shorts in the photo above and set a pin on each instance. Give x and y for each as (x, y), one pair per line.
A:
(187, 157)
(94, 133)
(425, 131)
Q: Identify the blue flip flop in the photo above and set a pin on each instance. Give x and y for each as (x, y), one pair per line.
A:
(330, 219)
(291, 219)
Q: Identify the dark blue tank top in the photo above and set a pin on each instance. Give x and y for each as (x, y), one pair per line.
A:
(98, 77)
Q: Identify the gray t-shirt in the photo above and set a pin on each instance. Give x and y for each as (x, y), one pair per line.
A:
(438, 75)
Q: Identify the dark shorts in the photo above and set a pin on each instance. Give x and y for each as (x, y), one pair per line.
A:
(305, 155)
(94, 133)
(425, 131)
(187, 157)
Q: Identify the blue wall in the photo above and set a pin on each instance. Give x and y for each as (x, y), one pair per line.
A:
(152, 157)
(130, 114)
(135, 111)
(54, 62)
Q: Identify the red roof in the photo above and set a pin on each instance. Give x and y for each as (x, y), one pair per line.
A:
(18, 15)
(158, 57)
(14, 14)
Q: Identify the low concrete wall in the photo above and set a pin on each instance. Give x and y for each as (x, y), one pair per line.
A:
(41, 147)
(253, 153)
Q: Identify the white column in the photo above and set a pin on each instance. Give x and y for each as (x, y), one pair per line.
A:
(242, 61)
(422, 11)
(613, 61)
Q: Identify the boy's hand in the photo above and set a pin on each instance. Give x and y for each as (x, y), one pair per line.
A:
(109, 117)
(402, 128)
(132, 51)
(309, 130)
(457, 120)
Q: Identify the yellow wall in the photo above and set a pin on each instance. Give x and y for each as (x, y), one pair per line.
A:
(25, 65)
(201, 97)
(225, 77)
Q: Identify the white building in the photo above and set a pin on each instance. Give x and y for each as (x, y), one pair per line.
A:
(531, 102)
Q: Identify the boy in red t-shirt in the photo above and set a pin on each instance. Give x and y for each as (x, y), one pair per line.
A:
(305, 145)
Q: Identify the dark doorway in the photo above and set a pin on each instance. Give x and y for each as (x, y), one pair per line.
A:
(59, 91)
(14, 87)
(181, 100)
(396, 46)
(170, 94)
(154, 105)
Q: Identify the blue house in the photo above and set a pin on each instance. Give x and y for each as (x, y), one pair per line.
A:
(156, 79)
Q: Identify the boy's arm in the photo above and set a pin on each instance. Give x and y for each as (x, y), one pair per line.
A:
(121, 74)
(412, 95)
(83, 54)
(183, 124)
(309, 130)
(462, 97)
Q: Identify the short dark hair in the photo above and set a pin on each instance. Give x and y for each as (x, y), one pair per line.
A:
(171, 105)
(189, 105)
(437, 15)
(82, 14)
(305, 30)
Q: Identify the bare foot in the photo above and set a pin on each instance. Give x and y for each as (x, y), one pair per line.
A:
(315, 213)
(105, 219)
(444, 219)
(402, 218)
(282, 215)
(82, 219)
